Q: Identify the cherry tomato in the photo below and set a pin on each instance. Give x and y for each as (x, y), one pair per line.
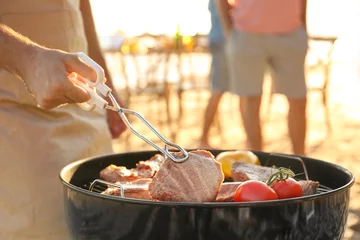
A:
(288, 188)
(252, 190)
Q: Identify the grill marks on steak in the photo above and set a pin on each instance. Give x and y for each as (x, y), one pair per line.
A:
(144, 169)
(198, 179)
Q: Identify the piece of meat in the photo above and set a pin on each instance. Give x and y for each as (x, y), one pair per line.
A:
(148, 168)
(198, 179)
(227, 192)
(138, 189)
(114, 173)
(309, 187)
(242, 172)
(144, 169)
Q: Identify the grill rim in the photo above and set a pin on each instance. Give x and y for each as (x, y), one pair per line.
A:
(332, 192)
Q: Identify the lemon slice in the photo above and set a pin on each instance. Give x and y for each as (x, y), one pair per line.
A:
(229, 157)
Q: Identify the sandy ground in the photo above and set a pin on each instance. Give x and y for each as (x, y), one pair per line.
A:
(340, 145)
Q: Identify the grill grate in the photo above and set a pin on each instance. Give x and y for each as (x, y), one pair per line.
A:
(323, 189)
(99, 186)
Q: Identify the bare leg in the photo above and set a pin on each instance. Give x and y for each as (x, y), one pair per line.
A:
(209, 117)
(250, 112)
(297, 124)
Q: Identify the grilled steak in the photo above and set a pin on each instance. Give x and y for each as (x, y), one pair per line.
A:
(227, 192)
(198, 179)
(242, 172)
(114, 173)
(148, 168)
(137, 189)
(144, 169)
(309, 187)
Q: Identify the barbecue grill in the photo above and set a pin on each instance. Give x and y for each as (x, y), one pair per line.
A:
(91, 215)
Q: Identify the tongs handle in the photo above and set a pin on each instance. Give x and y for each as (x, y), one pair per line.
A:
(92, 88)
(100, 75)
(95, 100)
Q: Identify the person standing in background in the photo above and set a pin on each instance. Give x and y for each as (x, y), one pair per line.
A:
(263, 33)
(36, 42)
(219, 76)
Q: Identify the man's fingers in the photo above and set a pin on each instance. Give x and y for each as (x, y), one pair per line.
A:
(75, 64)
(76, 93)
(69, 94)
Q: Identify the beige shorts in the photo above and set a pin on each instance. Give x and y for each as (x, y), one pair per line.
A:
(249, 55)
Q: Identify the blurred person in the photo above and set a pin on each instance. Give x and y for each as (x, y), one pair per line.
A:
(218, 72)
(36, 138)
(263, 33)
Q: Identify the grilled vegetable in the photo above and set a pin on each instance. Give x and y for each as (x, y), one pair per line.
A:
(284, 185)
(253, 190)
(288, 188)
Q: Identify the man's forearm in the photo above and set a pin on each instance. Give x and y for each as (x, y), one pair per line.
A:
(224, 8)
(15, 50)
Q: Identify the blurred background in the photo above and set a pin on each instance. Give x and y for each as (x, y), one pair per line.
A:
(158, 57)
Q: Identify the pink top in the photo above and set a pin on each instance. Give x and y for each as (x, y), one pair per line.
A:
(267, 16)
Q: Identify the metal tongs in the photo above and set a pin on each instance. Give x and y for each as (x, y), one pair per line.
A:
(95, 89)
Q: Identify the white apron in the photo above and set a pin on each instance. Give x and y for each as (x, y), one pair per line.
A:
(34, 143)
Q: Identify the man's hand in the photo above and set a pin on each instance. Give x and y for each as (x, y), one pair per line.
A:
(46, 76)
(44, 71)
(224, 8)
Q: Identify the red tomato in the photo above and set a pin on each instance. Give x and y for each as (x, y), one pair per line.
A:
(252, 191)
(288, 188)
